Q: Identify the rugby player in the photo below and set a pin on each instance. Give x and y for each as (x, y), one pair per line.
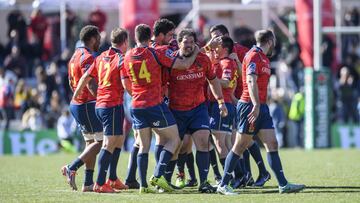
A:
(142, 79)
(82, 109)
(109, 109)
(253, 117)
(187, 101)
(238, 55)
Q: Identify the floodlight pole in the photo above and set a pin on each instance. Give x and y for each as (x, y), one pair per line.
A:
(63, 25)
(317, 35)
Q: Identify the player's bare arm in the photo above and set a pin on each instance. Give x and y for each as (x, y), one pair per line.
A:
(254, 95)
(182, 63)
(127, 85)
(84, 80)
(92, 86)
(225, 83)
(233, 98)
(215, 88)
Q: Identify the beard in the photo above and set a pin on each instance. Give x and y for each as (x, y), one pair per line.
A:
(187, 52)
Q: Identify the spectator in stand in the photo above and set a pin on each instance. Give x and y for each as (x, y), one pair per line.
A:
(7, 99)
(98, 18)
(16, 62)
(32, 102)
(54, 111)
(351, 18)
(21, 95)
(16, 21)
(66, 131)
(46, 85)
(32, 120)
(347, 96)
(38, 25)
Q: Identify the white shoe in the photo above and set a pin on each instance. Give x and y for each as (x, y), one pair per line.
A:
(226, 190)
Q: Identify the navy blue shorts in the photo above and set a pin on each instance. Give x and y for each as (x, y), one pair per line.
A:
(85, 117)
(193, 120)
(221, 123)
(112, 119)
(264, 120)
(158, 116)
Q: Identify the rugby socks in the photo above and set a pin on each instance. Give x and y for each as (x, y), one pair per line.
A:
(190, 165)
(222, 162)
(142, 162)
(181, 162)
(230, 164)
(256, 154)
(131, 174)
(163, 163)
(238, 170)
(76, 164)
(157, 152)
(113, 164)
(88, 179)
(202, 161)
(214, 164)
(103, 163)
(275, 164)
(242, 165)
(170, 170)
(247, 166)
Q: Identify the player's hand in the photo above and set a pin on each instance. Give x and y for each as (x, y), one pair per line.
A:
(223, 110)
(196, 49)
(214, 42)
(253, 115)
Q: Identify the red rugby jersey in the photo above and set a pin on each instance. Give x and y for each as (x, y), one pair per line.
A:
(107, 68)
(226, 69)
(256, 62)
(240, 52)
(165, 72)
(187, 86)
(79, 63)
(143, 66)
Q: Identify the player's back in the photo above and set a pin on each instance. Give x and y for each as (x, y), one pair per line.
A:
(256, 62)
(142, 67)
(81, 60)
(110, 90)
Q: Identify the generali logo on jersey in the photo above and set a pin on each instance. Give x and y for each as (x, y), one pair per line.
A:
(266, 70)
(190, 76)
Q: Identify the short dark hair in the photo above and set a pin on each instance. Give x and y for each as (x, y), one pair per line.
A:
(163, 26)
(87, 32)
(142, 33)
(263, 36)
(228, 43)
(220, 27)
(186, 32)
(118, 36)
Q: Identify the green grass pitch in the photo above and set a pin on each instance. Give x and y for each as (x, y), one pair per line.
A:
(330, 176)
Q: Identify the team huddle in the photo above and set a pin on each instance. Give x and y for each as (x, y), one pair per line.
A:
(213, 97)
